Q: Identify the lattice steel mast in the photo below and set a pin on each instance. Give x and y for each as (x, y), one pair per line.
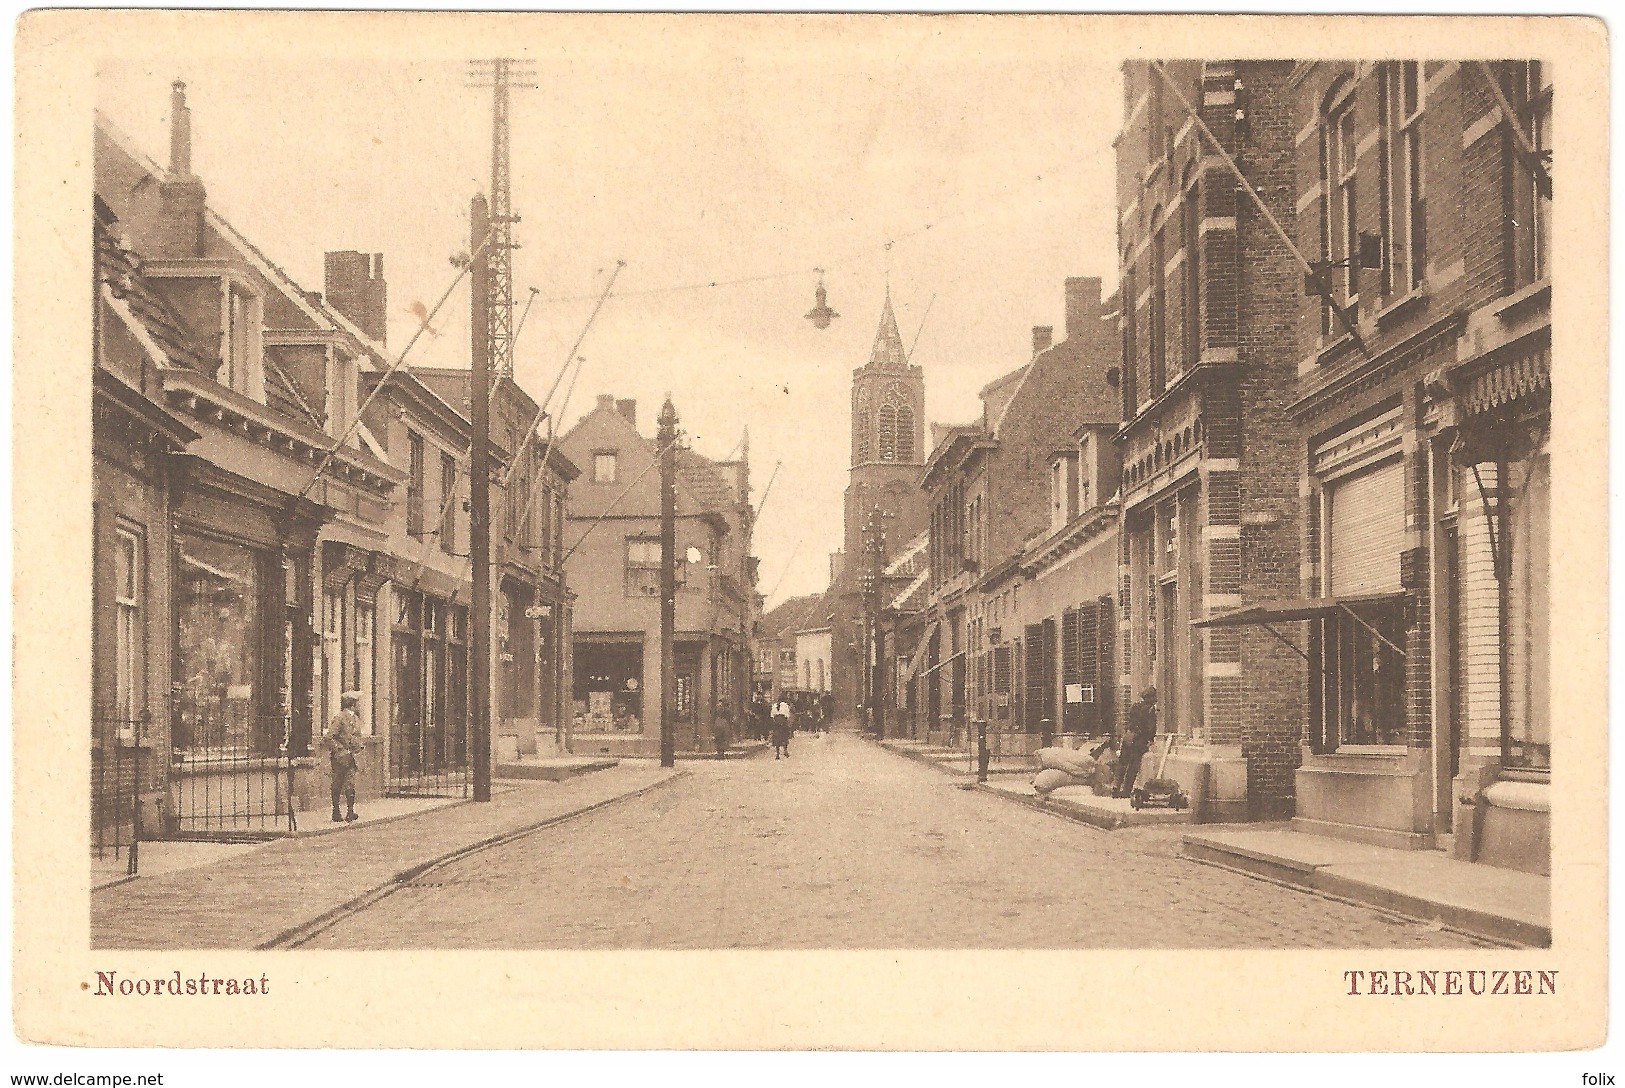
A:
(501, 74)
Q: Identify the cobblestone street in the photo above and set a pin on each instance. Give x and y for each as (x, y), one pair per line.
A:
(848, 846)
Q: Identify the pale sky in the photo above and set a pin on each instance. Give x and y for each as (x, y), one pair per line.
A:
(715, 156)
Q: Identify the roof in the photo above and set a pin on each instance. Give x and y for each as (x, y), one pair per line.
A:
(130, 296)
(888, 353)
(699, 476)
(791, 615)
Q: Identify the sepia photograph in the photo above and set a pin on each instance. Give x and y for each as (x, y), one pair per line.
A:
(781, 487)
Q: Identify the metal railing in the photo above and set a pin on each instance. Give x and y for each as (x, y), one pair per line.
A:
(231, 776)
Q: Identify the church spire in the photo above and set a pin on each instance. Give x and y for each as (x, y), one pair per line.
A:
(888, 353)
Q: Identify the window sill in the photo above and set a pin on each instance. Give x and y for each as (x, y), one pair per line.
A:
(1402, 308)
(1334, 350)
(1521, 301)
(1367, 751)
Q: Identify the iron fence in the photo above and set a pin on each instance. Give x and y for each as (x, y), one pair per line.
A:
(428, 763)
(232, 776)
(116, 786)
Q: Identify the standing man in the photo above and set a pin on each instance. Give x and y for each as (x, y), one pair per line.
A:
(1138, 734)
(344, 745)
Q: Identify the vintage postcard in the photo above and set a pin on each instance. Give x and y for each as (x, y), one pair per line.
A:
(761, 532)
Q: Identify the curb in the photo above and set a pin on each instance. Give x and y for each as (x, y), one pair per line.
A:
(296, 935)
(925, 759)
(1066, 810)
(1314, 880)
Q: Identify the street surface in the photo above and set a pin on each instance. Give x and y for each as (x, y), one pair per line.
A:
(845, 845)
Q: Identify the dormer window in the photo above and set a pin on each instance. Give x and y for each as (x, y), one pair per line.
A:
(1086, 473)
(239, 341)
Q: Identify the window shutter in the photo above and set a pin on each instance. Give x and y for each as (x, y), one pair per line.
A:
(1367, 530)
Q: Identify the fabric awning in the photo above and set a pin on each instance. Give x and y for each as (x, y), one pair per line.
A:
(1308, 608)
(917, 658)
(944, 661)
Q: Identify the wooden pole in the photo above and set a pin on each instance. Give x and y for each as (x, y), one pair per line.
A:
(668, 579)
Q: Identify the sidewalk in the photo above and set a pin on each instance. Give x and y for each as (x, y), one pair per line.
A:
(1082, 804)
(259, 897)
(551, 768)
(1501, 904)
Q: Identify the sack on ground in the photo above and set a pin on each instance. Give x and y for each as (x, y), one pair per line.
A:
(1047, 781)
(1078, 764)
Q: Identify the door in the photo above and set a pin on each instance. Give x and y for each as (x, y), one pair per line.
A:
(1170, 683)
(1447, 741)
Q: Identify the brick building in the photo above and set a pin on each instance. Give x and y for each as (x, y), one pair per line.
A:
(613, 533)
(531, 629)
(990, 648)
(1210, 506)
(265, 381)
(1422, 456)
(774, 646)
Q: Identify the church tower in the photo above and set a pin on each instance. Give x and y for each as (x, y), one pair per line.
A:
(887, 458)
(888, 440)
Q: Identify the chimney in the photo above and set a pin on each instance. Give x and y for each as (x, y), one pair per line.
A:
(180, 132)
(1043, 337)
(177, 233)
(629, 409)
(606, 403)
(355, 288)
(1082, 304)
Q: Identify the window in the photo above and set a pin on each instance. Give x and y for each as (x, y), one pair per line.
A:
(414, 484)
(129, 657)
(448, 503)
(219, 663)
(1190, 222)
(1527, 743)
(365, 621)
(1339, 228)
(605, 467)
(1086, 474)
(1404, 220)
(1363, 676)
(888, 433)
(1057, 494)
(236, 343)
(905, 433)
(1159, 305)
(333, 662)
(643, 566)
(1530, 221)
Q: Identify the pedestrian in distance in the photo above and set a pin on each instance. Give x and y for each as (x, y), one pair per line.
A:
(761, 717)
(781, 729)
(720, 731)
(344, 746)
(1138, 733)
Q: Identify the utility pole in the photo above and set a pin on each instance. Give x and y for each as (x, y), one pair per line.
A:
(500, 74)
(667, 444)
(480, 497)
(874, 531)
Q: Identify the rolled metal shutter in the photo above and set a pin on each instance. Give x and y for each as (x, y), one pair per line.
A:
(1367, 530)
